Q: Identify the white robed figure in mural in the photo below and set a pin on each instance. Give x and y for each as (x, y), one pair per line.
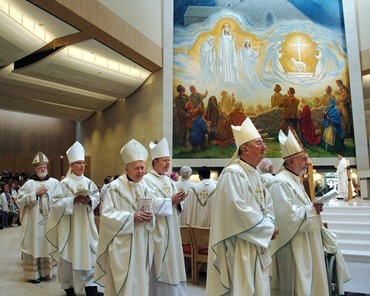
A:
(227, 57)
(207, 60)
(125, 249)
(298, 266)
(248, 58)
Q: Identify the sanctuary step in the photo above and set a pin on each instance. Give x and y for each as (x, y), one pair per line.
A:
(350, 221)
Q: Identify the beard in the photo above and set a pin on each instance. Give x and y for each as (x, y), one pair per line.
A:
(42, 175)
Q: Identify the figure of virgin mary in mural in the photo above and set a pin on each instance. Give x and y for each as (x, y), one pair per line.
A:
(227, 57)
(207, 60)
(248, 58)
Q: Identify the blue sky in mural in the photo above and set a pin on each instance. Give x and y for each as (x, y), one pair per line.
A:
(330, 13)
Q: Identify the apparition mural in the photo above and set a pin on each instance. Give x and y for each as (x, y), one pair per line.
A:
(278, 62)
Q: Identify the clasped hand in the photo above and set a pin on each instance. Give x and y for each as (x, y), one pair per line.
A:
(143, 216)
(82, 199)
(41, 191)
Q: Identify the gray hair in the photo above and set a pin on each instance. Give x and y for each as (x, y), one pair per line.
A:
(264, 165)
(185, 172)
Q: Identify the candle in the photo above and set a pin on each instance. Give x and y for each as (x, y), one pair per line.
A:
(347, 162)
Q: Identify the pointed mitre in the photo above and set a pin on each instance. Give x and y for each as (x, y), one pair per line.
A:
(245, 133)
(40, 159)
(160, 149)
(290, 145)
(133, 151)
(75, 153)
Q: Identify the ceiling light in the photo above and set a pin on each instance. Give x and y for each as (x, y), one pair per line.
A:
(25, 21)
(111, 65)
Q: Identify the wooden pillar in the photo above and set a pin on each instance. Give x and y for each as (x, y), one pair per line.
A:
(349, 185)
(309, 182)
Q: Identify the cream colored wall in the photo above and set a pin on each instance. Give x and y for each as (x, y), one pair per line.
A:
(145, 16)
(23, 135)
(138, 117)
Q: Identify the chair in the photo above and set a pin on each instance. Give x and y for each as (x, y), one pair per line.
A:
(187, 247)
(200, 240)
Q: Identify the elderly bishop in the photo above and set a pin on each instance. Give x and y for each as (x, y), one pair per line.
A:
(242, 222)
(125, 249)
(34, 200)
(168, 275)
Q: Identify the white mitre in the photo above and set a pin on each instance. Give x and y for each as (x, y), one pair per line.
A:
(243, 134)
(160, 149)
(75, 153)
(290, 145)
(40, 159)
(133, 151)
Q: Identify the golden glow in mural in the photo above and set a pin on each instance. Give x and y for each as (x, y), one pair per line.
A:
(279, 64)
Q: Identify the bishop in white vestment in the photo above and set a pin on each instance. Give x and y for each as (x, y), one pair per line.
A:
(168, 275)
(125, 249)
(185, 184)
(34, 200)
(72, 232)
(298, 252)
(200, 200)
(242, 222)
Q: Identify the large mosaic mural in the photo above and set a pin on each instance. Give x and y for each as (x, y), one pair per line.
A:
(282, 63)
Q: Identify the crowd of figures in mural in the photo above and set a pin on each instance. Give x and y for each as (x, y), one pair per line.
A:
(202, 119)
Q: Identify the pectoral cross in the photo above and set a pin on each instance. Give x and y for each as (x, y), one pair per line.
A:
(259, 193)
(166, 188)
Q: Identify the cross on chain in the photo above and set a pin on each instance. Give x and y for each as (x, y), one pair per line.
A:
(259, 193)
(166, 188)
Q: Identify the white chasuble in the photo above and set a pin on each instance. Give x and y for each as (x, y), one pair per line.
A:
(200, 200)
(125, 249)
(298, 255)
(168, 257)
(242, 222)
(34, 212)
(71, 228)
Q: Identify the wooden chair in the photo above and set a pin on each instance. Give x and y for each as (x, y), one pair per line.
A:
(200, 240)
(187, 248)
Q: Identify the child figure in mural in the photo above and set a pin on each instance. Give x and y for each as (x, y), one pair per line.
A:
(199, 132)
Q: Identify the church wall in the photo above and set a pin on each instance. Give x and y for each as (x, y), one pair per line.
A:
(139, 117)
(23, 135)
